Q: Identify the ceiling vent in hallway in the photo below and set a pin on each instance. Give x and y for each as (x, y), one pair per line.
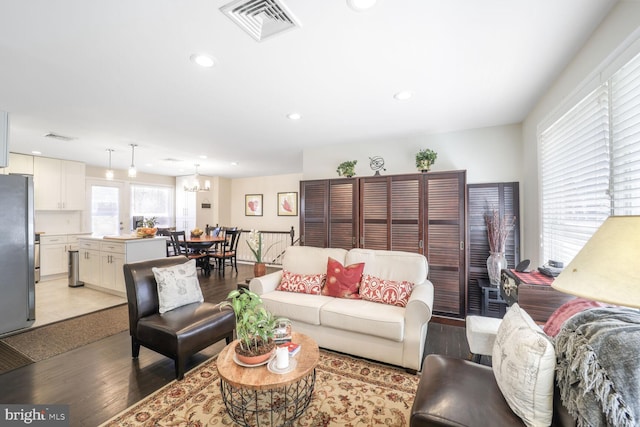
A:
(60, 137)
(261, 18)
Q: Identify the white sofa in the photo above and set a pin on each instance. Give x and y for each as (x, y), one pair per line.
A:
(372, 330)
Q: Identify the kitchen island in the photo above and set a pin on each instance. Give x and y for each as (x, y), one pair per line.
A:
(101, 259)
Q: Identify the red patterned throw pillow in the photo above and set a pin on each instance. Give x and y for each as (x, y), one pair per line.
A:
(301, 283)
(342, 282)
(385, 291)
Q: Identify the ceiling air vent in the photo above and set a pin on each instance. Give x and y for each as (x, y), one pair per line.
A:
(261, 18)
(60, 137)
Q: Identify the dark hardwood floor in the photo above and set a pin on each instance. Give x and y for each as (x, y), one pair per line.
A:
(101, 379)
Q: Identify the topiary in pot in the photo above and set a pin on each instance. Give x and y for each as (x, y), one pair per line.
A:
(254, 327)
(425, 158)
(347, 168)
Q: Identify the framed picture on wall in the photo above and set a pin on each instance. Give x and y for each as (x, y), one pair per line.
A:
(288, 204)
(253, 204)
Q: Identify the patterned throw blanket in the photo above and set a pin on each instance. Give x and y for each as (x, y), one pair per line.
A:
(598, 370)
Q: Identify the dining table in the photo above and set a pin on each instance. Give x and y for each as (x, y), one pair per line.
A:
(202, 244)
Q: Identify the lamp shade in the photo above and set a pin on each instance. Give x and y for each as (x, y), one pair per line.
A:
(607, 268)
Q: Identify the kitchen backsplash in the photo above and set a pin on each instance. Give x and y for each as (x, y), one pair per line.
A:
(53, 222)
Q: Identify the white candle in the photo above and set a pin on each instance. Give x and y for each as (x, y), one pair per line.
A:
(282, 358)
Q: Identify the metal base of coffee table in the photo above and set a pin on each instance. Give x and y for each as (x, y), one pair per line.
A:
(274, 407)
(256, 396)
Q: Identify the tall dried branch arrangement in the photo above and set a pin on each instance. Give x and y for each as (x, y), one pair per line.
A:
(498, 229)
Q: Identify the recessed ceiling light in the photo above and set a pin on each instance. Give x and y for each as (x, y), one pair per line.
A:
(37, 153)
(234, 163)
(403, 95)
(203, 60)
(361, 5)
(294, 116)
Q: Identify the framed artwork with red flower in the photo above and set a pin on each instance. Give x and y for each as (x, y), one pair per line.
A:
(288, 204)
(253, 204)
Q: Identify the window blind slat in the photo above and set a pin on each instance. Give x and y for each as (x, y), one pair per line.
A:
(625, 141)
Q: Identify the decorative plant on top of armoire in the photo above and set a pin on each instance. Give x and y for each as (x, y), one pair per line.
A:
(425, 158)
(347, 168)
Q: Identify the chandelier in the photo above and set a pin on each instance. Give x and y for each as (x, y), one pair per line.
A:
(195, 185)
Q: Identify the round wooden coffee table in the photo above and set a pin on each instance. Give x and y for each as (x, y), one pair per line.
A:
(256, 396)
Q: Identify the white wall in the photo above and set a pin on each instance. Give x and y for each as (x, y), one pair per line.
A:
(269, 187)
(491, 154)
(614, 41)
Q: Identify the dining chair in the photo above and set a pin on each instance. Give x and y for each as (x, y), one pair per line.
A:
(228, 251)
(167, 233)
(213, 231)
(181, 247)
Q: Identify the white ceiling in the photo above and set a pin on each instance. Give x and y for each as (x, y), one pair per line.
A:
(111, 73)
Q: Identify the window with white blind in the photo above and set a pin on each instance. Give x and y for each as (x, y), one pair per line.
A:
(590, 164)
(152, 201)
(625, 139)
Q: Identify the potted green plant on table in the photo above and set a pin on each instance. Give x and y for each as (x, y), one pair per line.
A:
(254, 327)
(425, 158)
(347, 168)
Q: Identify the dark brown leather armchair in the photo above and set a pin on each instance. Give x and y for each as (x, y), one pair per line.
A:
(456, 392)
(178, 333)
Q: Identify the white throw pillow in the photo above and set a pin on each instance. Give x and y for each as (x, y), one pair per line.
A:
(524, 362)
(177, 285)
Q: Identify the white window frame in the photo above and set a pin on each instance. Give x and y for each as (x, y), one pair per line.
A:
(563, 236)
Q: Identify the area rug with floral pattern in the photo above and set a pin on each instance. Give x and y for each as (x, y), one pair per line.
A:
(348, 392)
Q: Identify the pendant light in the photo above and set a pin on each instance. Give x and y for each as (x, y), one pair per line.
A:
(196, 183)
(132, 169)
(109, 173)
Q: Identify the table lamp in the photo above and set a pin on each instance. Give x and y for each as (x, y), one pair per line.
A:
(607, 269)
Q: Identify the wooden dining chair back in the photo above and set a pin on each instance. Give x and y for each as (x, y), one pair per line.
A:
(213, 231)
(167, 233)
(181, 247)
(226, 255)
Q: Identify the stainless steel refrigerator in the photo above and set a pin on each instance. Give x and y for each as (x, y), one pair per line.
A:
(17, 252)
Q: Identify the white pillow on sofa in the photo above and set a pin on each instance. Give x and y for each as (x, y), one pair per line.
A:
(524, 364)
(177, 285)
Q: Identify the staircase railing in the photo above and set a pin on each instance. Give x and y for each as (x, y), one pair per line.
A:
(274, 244)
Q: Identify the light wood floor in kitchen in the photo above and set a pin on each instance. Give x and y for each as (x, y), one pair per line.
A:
(55, 301)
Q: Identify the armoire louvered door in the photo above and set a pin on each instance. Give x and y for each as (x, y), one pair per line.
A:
(391, 213)
(445, 241)
(343, 213)
(328, 213)
(314, 210)
(481, 198)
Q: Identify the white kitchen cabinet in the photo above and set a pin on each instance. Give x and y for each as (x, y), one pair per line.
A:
(59, 184)
(185, 206)
(19, 163)
(189, 211)
(107, 256)
(89, 261)
(54, 258)
(111, 262)
(54, 253)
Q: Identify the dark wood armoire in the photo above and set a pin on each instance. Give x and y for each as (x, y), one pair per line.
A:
(423, 213)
